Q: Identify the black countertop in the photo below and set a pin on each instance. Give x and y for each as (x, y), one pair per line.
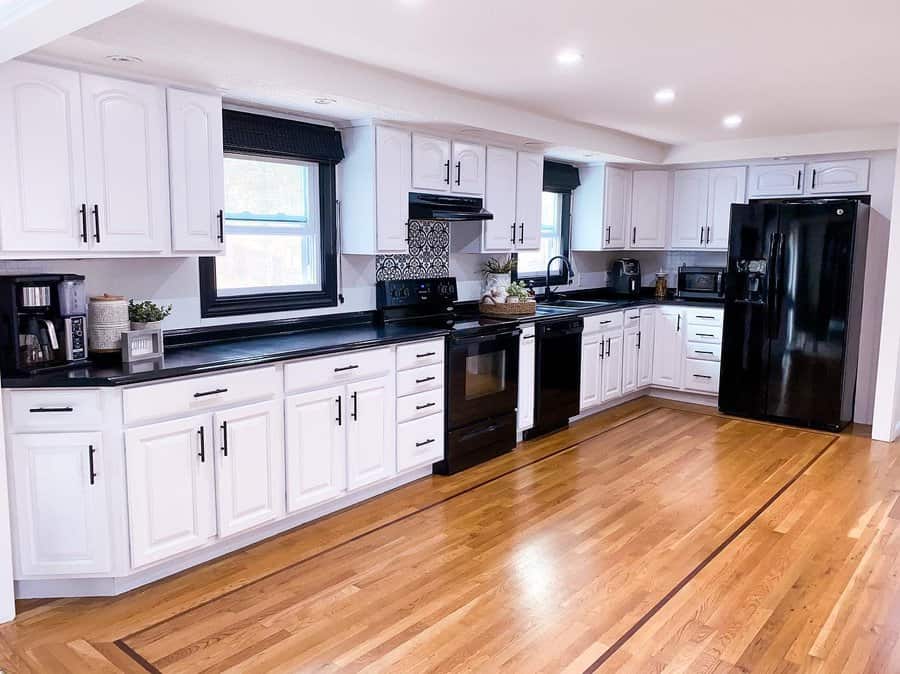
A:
(255, 350)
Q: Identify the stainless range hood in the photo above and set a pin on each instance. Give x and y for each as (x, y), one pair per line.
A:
(446, 207)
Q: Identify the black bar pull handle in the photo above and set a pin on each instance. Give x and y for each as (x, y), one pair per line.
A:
(710, 318)
(702, 376)
(224, 428)
(425, 442)
(639, 340)
(608, 345)
(705, 334)
(522, 232)
(340, 416)
(203, 394)
(425, 406)
(605, 322)
(202, 452)
(93, 474)
(602, 350)
(355, 401)
(83, 211)
(814, 179)
(221, 218)
(799, 177)
(458, 172)
(513, 239)
(344, 369)
(447, 166)
(425, 355)
(678, 324)
(705, 353)
(633, 235)
(51, 409)
(96, 212)
(608, 234)
(528, 337)
(422, 381)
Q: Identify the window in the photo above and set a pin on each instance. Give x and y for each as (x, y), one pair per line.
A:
(531, 265)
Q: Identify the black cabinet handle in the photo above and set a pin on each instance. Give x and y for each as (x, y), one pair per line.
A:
(422, 381)
(224, 428)
(702, 229)
(425, 355)
(221, 218)
(608, 234)
(425, 442)
(96, 212)
(522, 233)
(91, 451)
(83, 211)
(344, 369)
(707, 235)
(425, 406)
(704, 334)
(605, 322)
(608, 345)
(678, 325)
(203, 394)
(814, 179)
(340, 417)
(602, 350)
(706, 317)
(633, 235)
(202, 453)
(51, 409)
(528, 337)
(353, 413)
(705, 353)
(458, 172)
(447, 166)
(799, 176)
(513, 239)
(702, 376)
(639, 340)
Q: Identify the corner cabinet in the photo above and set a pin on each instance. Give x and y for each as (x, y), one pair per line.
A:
(601, 209)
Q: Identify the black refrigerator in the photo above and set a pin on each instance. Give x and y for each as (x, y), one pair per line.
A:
(793, 306)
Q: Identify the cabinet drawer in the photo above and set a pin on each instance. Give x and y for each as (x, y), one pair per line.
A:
(701, 375)
(704, 351)
(603, 322)
(705, 317)
(50, 410)
(330, 370)
(186, 396)
(420, 442)
(707, 334)
(420, 405)
(420, 353)
(420, 379)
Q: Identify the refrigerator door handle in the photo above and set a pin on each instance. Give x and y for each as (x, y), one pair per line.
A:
(776, 293)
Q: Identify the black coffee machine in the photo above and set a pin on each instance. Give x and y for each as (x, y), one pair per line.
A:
(625, 277)
(43, 322)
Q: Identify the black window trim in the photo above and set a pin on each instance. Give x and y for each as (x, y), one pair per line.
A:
(212, 305)
(538, 279)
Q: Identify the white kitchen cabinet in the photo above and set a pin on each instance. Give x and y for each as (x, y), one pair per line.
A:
(616, 208)
(526, 378)
(171, 491)
(611, 364)
(499, 234)
(468, 168)
(590, 369)
(645, 347)
(529, 192)
(316, 444)
(196, 171)
(689, 208)
(601, 209)
(774, 180)
(249, 459)
(668, 347)
(60, 513)
(371, 453)
(43, 202)
(727, 186)
(127, 164)
(631, 351)
(649, 209)
(392, 167)
(837, 177)
(430, 163)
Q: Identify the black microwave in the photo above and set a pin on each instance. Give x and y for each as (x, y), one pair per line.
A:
(701, 282)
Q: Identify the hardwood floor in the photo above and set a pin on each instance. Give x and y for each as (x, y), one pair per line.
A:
(654, 536)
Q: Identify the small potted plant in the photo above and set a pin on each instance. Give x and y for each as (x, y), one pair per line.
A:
(147, 314)
(497, 274)
(517, 292)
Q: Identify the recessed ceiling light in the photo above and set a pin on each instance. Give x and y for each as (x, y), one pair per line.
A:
(122, 58)
(569, 57)
(664, 96)
(732, 121)
(324, 100)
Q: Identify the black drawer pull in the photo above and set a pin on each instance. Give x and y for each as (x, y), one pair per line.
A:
(203, 394)
(633, 318)
(702, 376)
(704, 334)
(605, 322)
(711, 318)
(344, 369)
(422, 407)
(52, 409)
(93, 474)
(422, 381)
(426, 442)
(425, 355)
(528, 337)
(707, 353)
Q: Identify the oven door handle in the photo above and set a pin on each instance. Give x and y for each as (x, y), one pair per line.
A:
(487, 338)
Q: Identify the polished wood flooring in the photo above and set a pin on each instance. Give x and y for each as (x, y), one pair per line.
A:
(651, 537)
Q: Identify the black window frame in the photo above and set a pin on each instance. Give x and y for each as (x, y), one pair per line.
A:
(539, 279)
(212, 305)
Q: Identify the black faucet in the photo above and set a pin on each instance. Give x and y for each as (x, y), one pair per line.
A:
(548, 294)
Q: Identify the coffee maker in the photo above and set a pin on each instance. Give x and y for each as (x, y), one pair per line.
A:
(625, 277)
(43, 322)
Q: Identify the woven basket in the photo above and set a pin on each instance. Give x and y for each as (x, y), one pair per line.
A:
(508, 309)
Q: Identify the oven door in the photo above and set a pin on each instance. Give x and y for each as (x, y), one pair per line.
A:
(483, 376)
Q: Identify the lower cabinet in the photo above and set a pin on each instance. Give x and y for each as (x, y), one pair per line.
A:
(59, 504)
(526, 378)
(611, 365)
(370, 432)
(171, 491)
(645, 348)
(668, 347)
(420, 442)
(631, 354)
(601, 360)
(590, 370)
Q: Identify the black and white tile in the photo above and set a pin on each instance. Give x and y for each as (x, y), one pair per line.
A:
(429, 253)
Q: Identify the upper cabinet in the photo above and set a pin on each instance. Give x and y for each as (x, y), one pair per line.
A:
(649, 209)
(514, 182)
(196, 176)
(468, 168)
(830, 177)
(775, 180)
(616, 207)
(529, 191)
(601, 209)
(701, 206)
(430, 163)
(727, 186)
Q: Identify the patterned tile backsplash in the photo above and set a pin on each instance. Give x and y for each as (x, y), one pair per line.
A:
(429, 253)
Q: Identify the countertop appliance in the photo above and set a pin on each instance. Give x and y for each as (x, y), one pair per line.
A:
(701, 283)
(793, 306)
(625, 277)
(557, 384)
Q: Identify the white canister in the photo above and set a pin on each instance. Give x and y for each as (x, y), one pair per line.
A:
(107, 320)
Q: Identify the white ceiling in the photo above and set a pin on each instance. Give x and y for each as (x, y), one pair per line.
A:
(787, 66)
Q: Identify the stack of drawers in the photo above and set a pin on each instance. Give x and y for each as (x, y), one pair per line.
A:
(703, 349)
(420, 403)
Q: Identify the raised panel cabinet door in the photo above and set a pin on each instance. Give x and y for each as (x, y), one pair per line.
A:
(171, 491)
(590, 371)
(196, 171)
(467, 174)
(316, 448)
(249, 451)
(772, 180)
(500, 199)
(645, 348)
(42, 185)
(611, 365)
(60, 512)
(630, 360)
(588, 232)
(668, 343)
(616, 207)
(526, 380)
(127, 164)
(829, 177)
(392, 176)
(690, 194)
(529, 191)
(727, 186)
(649, 209)
(371, 432)
(431, 168)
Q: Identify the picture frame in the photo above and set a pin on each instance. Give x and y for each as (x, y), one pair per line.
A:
(142, 345)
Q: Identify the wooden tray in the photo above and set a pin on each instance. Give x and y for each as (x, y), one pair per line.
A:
(508, 309)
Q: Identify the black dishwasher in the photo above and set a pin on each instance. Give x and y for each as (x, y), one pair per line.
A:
(557, 380)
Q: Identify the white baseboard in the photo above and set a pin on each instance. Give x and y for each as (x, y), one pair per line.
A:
(708, 399)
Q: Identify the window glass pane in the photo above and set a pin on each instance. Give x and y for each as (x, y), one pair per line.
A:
(272, 234)
(535, 261)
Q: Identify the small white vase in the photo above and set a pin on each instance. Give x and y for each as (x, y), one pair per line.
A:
(155, 325)
(492, 281)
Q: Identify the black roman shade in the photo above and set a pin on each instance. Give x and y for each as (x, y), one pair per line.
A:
(560, 177)
(247, 133)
